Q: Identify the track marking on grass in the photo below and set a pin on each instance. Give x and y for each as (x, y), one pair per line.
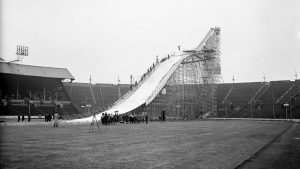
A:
(263, 148)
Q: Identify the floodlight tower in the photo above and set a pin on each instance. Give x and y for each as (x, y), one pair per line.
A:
(21, 52)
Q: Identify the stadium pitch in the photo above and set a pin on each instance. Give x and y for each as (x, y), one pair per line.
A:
(183, 144)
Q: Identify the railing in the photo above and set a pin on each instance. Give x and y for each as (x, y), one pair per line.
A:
(284, 94)
(293, 96)
(255, 119)
(227, 95)
(251, 100)
(21, 102)
(265, 90)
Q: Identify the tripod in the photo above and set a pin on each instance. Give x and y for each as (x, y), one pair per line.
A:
(94, 120)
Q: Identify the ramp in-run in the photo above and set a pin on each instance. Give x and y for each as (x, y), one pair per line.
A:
(148, 89)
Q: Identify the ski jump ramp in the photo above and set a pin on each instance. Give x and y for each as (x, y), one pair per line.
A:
(150, 86)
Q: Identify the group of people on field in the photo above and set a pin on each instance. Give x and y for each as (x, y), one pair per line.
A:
(108, 119)
(23, 118)
(48, 118)
(135, 118)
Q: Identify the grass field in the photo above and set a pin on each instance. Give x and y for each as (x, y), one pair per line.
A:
(186, 144)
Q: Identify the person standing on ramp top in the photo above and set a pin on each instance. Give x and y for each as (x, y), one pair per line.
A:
(55, 117)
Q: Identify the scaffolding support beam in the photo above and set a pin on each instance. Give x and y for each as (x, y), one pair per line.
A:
(197, 76)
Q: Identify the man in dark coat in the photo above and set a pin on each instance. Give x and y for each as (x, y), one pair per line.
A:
(146, 118)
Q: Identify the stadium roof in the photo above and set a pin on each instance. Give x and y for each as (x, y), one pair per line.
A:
(38, 71)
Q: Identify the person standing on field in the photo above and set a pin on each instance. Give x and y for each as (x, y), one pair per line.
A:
(55, 118)
(146, 118)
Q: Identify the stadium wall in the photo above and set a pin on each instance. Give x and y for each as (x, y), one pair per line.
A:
(245, 100)
(234, 100)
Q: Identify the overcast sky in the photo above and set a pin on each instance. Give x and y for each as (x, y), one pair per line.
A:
(111, 38)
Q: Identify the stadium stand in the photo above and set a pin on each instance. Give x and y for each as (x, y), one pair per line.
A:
(105, 95)
(33, 90)
(264, 106)
(256, 99)
(240, 96)
(222, 94)
(243, 100)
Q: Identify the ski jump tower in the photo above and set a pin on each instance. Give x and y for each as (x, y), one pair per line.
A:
(191, 91)
(183, 84)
